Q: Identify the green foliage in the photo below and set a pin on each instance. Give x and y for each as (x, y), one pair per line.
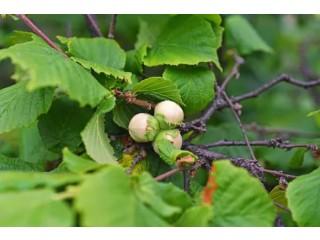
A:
(20, 108)
(39, 209)
(105, 52)
(240, 199)
(7, 163)
(201, 213)
(48, 68)
(185, 39)
(195, 85)
(64, 144)
(77, 164)
(243, 36)
(278, 195)
(157, 88)
(63, 130)
(127, 160)
(103, 210)
(123, 112)
(303, 196)
(149, 31)
(32, 148)
(108, 71)
(134, 61)
(94, 137)
(171, 154)
(297, 158)
(165, 199)
(21, 181)
(100, 54)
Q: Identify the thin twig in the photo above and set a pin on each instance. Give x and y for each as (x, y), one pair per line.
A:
(199, 124)
(112, 25)
(186, 181)
(282, 207)
(251, 165)
(272, 143)
(36, 30)
(278, 221)
(201, 162)
(279, 174)
(129, 97)
(305, 68)
(282, 78)
(234, 72)
(236, 115)
(141, 155)
(168, 174)
(278, 131)
(93, 26)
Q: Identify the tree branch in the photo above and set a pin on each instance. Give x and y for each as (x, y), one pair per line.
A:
(141, 155)
(219, 103)
(236, 115)
(278, 131)
(251, 165)
(282, 207)
(201, 162)
(129, 97)
(37, 31)
(112, 25)
(278, 173)
(204, 155)
(93, 26)
(186, 181)
(272, 143)
(234, 72)
(282, 78)
(168, 174)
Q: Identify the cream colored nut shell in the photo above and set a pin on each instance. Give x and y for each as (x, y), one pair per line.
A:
(171, 111)
(177, 142)
(138, 127)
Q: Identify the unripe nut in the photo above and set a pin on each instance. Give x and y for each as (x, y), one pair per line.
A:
(143, 127)
(171, 112)
(173, 136)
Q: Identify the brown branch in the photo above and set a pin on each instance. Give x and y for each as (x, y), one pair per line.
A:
(37, 31)
(93, 26)
(273, 143)
(201, 162)
(278, 173)
(168, 174)
(186, 181)
(234, 72)
(282, 78)
(278, 131)
(219, 103)
(282, 207)
(112, 25)
(129, 97)
(206, 157)
(141, 155)
(251, 165)
(236, 115)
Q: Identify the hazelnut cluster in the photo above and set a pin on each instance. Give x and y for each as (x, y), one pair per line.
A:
(168, 115)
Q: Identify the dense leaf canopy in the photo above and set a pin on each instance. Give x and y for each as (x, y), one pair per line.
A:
(249, 154)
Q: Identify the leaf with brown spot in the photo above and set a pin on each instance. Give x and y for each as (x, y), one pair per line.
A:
(210, 188)
(185, 160)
